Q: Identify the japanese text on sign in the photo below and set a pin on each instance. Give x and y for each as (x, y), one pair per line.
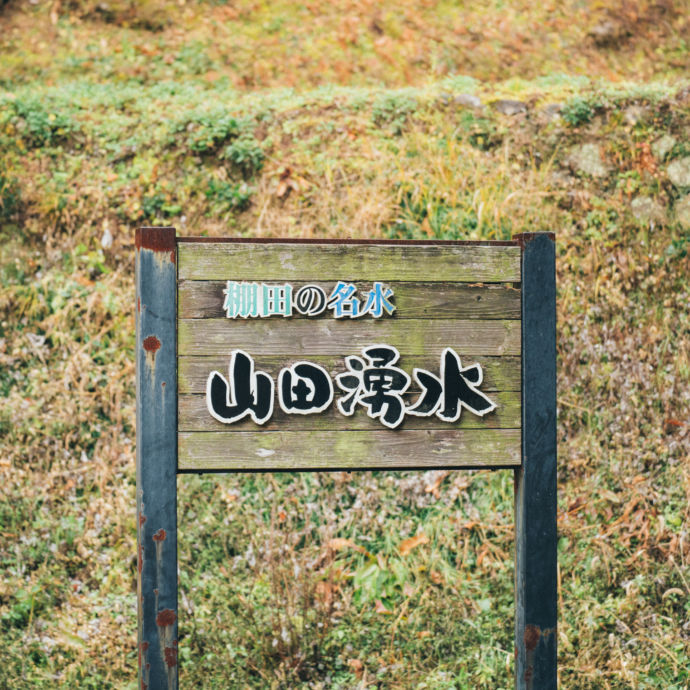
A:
(251, 300)
(372, 381)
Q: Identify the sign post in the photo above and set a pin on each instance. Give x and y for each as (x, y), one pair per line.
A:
(265, 355)
(156, 343)
(536, 540)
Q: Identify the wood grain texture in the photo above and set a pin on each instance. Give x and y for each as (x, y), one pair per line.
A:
(322, 450)
(340, 337)
(500, 373)
(199, 299)
(285, 262)
(352, 242)
(194, 416)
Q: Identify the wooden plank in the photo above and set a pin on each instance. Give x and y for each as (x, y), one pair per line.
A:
(324, 450)
(194, 416)
(500, 373)
(285, 262)
(199, 299)
(536, 496)
(350, 242)
(339, 337)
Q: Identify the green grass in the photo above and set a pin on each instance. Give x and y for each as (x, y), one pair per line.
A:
(156, 113)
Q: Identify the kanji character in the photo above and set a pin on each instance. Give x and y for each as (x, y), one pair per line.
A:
(304, 388)
(277, 300)
(457, 388)
(248, 393)
(343, 302)
(241, 299)
(377, 301)
(376, 384)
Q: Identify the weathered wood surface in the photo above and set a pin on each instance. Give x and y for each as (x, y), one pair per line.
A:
(204, 300)
(536, 487)
(194, 416)
(295, 450)
(445, 296)
(341, 337)
(286, 262)
(156, 458)
(500, 373)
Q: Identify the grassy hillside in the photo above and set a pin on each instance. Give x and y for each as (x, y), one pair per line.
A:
(344, 119)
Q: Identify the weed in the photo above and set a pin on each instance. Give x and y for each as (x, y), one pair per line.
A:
(24, 605)
(246, 154)
(37, 126)
(482, 132)
(228, 196)
(207, 131)
(578, 111)
(679, 247)
(10, 197)
(431, 217)
(193, 59)
(393, 110)
(158, 205)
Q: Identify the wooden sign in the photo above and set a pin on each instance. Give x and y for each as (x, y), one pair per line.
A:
(258, 355)
(384, 319)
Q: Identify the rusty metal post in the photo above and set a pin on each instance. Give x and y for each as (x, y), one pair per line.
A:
(536, 591)
(156, 345)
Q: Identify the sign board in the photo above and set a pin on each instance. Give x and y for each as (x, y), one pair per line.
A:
(258, 355)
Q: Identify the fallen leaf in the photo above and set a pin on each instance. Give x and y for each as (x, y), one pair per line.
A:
(672, 424)
(287, 182)
(338, 544)
(483, 553)
(578, 503)
(411, 543)
(148, 50)
(645, 159)
(381, 608)
(324, 592)
(436, 577)
(434, 488)
(357, 667)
